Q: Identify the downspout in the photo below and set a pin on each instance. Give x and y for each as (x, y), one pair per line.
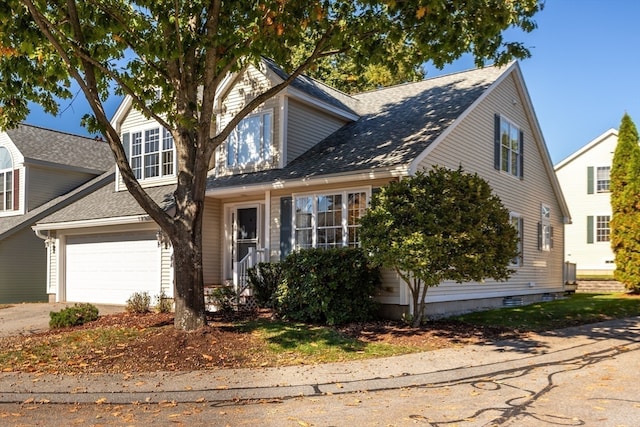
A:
(49, 243)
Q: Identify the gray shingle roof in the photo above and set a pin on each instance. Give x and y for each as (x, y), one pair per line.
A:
(108, 203)
(61, 148)
(396, 124)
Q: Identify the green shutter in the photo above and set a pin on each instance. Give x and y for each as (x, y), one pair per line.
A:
(285, 227)
(590, 180)
(589, 229)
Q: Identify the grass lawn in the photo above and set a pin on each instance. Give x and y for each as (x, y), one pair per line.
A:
(577, 309)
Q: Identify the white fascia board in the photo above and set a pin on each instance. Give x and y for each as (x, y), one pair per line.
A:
(585, 148)
(121, 112)
(51, 165)
(349, 177)
(307, 99)
(101, 222)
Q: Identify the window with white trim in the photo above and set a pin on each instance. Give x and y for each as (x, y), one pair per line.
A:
(517, 223)
(250, 141)
(602, 179)
(545, 231)
(151, 153)
(603, 231)
(6, 180)
(508, 147)
(328, 220)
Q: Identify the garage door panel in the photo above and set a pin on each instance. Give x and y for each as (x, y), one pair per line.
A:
(109, 268)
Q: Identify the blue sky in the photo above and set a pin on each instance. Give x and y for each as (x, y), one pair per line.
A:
(584, 73)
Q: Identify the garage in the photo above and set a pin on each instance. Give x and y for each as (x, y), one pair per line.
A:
(109, 268)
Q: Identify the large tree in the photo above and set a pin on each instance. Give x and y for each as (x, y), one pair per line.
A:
(625, 205)
(441, 225)
(186, 48)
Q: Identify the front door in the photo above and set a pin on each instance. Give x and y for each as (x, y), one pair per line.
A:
(246, 232)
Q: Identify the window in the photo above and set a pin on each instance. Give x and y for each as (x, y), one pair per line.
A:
(328, 220)
(517, 223)
(250, 141)
(602, 179)
(508, 146)
(151, 153)
(602, 228)
(545, 231)
(6, 180)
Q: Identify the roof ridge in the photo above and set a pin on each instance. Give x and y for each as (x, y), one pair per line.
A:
(61, 132)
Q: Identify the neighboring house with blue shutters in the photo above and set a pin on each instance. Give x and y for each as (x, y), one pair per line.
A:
(584, 177)
(41, 170)
(300, 171)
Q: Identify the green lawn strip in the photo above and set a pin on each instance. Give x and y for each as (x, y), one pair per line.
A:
(75, 348)
(316, 344)
(577, 309)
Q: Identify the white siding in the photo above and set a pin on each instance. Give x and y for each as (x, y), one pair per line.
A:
(166, 270)
(18, 160)
(597, 256)
(470, 145)
(212, 242)
(247, 87)
(306, 126)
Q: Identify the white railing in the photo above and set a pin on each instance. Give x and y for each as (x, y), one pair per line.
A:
(241, 272)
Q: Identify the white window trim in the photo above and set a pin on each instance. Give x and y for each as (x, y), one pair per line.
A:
(314, 214)
(597, 180)
(160, 178)
(3, 176)
(517, 261)
(520, 154)
(270, 149)
(595, 230)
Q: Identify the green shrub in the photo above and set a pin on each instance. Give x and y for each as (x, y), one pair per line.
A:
(79, 314)
(223, 298)
(264, 279)
(164, 304)
(331, 286)
(138, 302)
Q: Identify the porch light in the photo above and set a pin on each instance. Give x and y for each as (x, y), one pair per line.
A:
(50, 242)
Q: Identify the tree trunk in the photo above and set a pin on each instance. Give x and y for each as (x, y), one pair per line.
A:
(189, 285)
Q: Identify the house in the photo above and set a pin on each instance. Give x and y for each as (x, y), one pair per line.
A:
(300, 170)
(584, 178)
(41, 170)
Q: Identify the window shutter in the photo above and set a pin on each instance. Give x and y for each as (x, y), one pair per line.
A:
(126, 144)
(589, 229)
(496, 142)
(590, 180)
(539, 236)
(521, 158)
(16, 189)
(551, 235)
(521, 242)
(285, 227)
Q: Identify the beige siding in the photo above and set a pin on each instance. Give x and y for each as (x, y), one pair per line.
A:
(212, 241)
(306, 126)
(23, 269)
(166, 270)
(596, 257)
(52, 271)
(247, 87)
(46, 184)
(470, 144)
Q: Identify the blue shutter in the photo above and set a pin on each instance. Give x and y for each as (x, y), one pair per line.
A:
(590, 180)
(285, 227)
(496, 142)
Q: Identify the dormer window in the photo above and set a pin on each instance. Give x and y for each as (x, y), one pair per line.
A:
(250, 141)
(150, 152)
(6, 181)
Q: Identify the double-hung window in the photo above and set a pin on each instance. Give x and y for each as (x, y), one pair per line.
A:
(328, 220)
(250, 141)
(598, 229)
(151, 153)
(517, 223)
(508, 147)
(6, 181)
(545, 231)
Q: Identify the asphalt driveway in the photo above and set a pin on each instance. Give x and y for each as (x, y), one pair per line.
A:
(28, 318)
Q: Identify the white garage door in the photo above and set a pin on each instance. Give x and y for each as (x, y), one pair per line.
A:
(109, 268)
